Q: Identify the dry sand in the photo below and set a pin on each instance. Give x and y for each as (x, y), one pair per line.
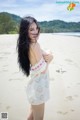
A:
(64, 103)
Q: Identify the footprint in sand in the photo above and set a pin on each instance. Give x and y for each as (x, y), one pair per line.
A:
(63, 113)
(1, 58)
(4, 57)
(72, 63)
(11, 79)
(5, 53)
(72, 110)
(68, 86)
(68, 60)
(5, 70)
(60, 70)
(8, 107)
(78, 83)
(70, 98)
(75, 95)
(15, 72)
(5, 66)
(63, 71)
(18, 79)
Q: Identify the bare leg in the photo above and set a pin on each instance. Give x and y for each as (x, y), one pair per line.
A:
(38, 111)
(30, 116)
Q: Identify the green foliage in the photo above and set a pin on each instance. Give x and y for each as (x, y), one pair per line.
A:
(7, 24)
(59, 26)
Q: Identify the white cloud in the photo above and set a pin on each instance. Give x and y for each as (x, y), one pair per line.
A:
(44, 11)
(5, 3)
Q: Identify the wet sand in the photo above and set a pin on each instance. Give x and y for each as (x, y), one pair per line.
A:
(64, 70)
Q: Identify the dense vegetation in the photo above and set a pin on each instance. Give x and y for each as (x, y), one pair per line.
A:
(9, 23)
(59, 26)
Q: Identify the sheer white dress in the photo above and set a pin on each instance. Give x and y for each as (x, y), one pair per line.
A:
(38, 86)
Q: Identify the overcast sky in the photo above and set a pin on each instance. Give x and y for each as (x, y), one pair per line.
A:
(42, 9)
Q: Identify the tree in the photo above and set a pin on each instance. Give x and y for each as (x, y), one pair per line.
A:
(6, 24)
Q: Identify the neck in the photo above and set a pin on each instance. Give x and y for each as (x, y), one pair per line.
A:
(34, 42)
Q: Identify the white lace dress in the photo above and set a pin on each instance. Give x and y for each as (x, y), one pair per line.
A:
(38, 86)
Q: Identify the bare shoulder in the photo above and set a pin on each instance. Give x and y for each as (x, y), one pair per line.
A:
(35, 46)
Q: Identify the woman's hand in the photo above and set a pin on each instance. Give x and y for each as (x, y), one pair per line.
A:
(48, 57)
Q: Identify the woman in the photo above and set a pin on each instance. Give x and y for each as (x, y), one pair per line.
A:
(34, 61)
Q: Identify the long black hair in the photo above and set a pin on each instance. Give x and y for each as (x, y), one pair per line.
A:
(23, 44)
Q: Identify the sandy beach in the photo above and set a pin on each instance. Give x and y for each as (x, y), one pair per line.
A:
(64, 70)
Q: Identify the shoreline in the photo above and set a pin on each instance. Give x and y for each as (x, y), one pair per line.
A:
(74, 34)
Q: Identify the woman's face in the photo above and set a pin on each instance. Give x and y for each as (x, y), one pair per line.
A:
(33, 32)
